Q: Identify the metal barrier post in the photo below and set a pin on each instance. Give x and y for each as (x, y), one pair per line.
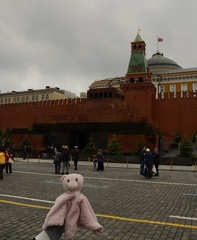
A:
(88, 161)
(39, 158)
(171, 165)
(127, 164)
(107, 162)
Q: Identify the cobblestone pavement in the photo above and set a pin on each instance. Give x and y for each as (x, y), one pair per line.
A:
(127, 205)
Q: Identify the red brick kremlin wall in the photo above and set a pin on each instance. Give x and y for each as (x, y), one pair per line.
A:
(176, 114)
(169, 115)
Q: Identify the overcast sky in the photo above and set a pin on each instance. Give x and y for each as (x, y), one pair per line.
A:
(71, 43)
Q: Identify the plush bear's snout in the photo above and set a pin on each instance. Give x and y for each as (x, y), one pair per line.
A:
(72, 186)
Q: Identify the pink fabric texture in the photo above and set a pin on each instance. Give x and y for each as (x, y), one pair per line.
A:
(72, 209)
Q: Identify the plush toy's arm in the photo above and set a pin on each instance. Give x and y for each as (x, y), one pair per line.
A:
(88, 218)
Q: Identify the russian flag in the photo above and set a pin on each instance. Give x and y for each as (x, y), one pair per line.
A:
(160, 39)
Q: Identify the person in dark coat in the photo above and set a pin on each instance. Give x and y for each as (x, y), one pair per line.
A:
(149, 161)
(156, 157)
(75, 156)
(65, 157)
(25, 152)
(28, 151)
(100, 159)
(57, 160)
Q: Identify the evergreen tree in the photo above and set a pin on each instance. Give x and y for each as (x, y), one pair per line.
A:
(90, 148)
(25, 142)
(141, 143)
(114, 147)
(194, 137)
(6, 137)
(186, 148)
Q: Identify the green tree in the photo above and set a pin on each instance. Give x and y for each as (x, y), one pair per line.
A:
(114, 146)
(6, 137)
(90, 148)
(25, 142)
(141, 143)
(186, 148)
(194, 137)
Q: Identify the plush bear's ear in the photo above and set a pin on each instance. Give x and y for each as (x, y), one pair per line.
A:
(62, 179)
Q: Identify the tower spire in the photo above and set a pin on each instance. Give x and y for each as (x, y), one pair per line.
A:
(137, 61)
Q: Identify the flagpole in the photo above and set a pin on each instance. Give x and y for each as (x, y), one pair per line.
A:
(157, 43)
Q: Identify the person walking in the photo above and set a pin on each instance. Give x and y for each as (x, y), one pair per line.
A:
(65, 156)
(75, 156)
(156, 157)
(2, 162)
(100, 159)
(57, 160)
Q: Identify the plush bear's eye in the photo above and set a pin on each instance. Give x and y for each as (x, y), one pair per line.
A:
(68, 180)
(76, 179)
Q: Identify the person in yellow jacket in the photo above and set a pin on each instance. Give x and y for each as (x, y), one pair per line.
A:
(2, 163)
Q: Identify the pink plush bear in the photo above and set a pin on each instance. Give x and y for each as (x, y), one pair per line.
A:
(70, 211)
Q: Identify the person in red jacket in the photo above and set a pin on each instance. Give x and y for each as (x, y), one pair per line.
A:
(8, 165)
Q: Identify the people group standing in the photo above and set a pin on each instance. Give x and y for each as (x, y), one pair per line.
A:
(147, 162)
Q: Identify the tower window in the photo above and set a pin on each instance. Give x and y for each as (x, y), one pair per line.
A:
(131, 80)
(139, 68)
(133, 68)
(140, 79)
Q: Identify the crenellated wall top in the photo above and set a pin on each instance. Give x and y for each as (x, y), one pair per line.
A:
(45, 103)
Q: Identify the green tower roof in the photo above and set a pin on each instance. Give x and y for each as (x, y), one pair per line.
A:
(137, 63)
(138, 38)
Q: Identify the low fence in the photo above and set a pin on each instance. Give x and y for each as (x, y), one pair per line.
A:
(168, 164)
